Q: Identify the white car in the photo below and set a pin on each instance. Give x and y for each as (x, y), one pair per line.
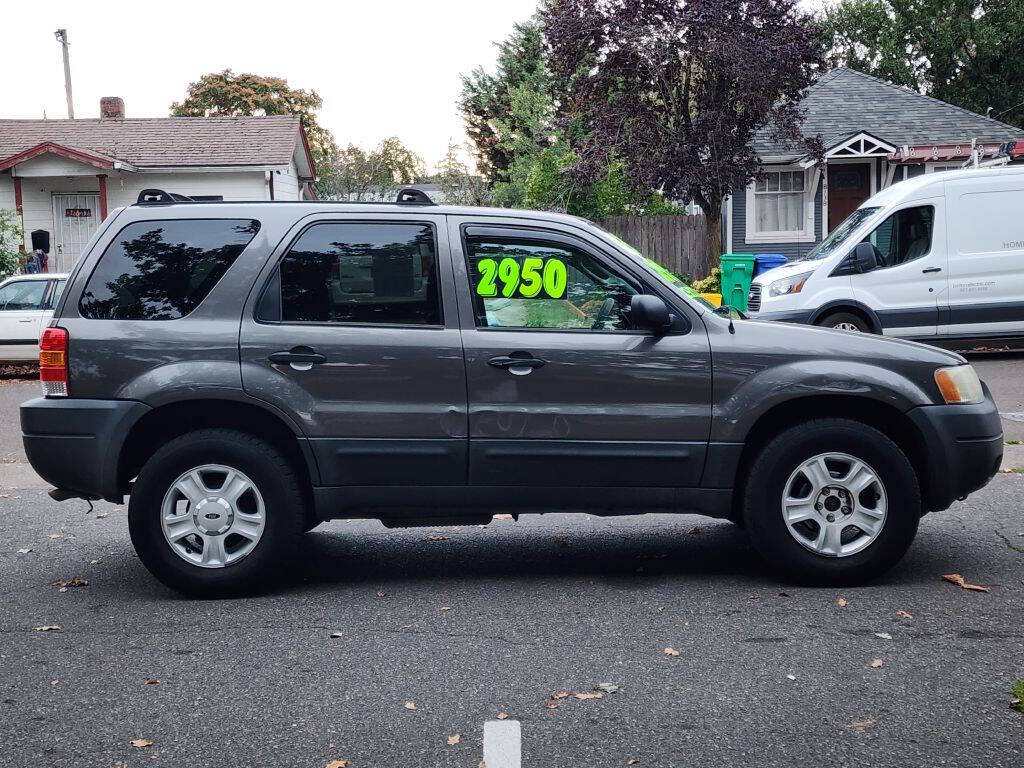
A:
(938, 256)
(26, 305)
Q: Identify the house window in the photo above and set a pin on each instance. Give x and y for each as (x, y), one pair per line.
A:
(779, 202)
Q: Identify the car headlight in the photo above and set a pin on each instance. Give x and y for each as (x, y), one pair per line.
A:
(959, 385)
(788, 285)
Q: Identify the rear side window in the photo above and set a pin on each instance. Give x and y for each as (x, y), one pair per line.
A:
(162, 270)
(359, 272)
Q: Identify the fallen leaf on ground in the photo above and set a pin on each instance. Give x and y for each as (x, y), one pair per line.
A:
(503, 517)
(551, 704)
(905, 614)
(24, 550)
(842, 602)
(584, 695)
(876, 663)
(791, 677)
(55, 682)
(142, 743)
(694, 531)
(561, 695)
(446, 607)
(48, 628)
(152, 681)
(437, 537)
(606, 687)
(956, 578)
(77, 581)
(95, 562)
(381, 593)
(633, 761)
(502, 715)
(670, 652)
(859, 726)
(783, 594)
(101, 515)
(454, 739)
(336, 635)
(410, 705)
(55, 535)
(883, 635)
(337, 764)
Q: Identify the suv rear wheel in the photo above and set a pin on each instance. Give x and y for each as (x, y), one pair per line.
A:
(215, 512)
(832, 501)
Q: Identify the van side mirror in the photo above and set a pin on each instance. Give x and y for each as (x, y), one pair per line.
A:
(649, 313)
(865, 257)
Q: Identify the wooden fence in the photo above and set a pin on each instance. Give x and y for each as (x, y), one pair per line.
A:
(679, 243)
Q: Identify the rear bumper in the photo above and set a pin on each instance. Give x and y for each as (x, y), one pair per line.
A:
(963, 446)
(76, 444)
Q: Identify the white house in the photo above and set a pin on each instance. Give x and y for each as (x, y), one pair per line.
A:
(63, 176)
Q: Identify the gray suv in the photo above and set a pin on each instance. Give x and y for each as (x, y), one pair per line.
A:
(247, 370)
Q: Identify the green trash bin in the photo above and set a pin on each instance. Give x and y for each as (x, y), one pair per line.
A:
(737, 272)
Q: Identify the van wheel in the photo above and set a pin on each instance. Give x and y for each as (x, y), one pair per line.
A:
(832, 501)
(215, 513)
(845, 321)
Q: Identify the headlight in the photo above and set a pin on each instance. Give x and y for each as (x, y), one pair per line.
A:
(959, 384)
(788, 285)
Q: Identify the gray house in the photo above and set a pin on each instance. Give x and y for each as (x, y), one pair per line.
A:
(876, 134)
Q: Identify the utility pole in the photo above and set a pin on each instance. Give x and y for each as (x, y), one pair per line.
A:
(62, 38)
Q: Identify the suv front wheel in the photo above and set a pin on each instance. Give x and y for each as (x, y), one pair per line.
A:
(832, 501)
(215, 513)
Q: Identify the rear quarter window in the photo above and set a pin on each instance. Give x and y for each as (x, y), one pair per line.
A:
(162, 270)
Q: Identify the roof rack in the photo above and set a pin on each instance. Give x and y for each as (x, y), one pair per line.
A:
(148, 196)
(413, 196)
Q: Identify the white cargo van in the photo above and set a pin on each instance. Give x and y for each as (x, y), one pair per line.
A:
(938, 255)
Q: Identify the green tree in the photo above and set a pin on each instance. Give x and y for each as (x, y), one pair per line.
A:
(458, 185)
(966, 52)
(12, 239)
(225, 94)
(355, 174)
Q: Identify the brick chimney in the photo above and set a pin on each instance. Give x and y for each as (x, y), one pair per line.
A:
(111, 107)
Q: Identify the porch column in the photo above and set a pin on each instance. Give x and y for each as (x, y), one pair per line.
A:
(102, 178)
(19, 208)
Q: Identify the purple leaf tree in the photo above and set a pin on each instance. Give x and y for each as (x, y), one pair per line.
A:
(677, 89)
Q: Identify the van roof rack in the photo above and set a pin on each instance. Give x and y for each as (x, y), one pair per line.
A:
(413, 196)
(148, 196)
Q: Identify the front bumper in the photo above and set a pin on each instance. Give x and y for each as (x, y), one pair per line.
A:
(963, 447)
(788, 316)
(76, 444)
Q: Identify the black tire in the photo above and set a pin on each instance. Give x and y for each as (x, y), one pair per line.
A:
(845, 321)
(277, 483)
(763, 494)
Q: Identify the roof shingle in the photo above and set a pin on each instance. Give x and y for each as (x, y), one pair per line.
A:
(844, 102)
(164, 141)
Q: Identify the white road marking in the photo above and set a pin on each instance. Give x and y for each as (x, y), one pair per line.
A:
(503, 744)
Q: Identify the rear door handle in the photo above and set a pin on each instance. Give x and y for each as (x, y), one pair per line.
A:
(930, 270)
(298, 355)
(518, 363)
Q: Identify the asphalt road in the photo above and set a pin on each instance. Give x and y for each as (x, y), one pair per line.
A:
(470, 622)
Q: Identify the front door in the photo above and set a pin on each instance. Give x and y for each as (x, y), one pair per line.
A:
(75, 218)
(563, 392)
(849, 185)
(356, 337)
(907, 288)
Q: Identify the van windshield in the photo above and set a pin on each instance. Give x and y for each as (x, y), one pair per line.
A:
(836, 237)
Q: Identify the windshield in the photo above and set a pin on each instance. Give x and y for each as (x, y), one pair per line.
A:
(667, 275)
(835, 238)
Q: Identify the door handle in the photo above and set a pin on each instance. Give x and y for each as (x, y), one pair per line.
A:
(298, 355)
(930, 270)
(27, 320)
(518, 363)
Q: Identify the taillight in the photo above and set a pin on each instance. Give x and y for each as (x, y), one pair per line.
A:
(53, 362)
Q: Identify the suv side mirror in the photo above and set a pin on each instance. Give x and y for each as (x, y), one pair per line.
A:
(649, 313)
(865, 257)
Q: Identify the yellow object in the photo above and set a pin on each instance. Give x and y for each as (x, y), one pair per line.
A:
(714, 298)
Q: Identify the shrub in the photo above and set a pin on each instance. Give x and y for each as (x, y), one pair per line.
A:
(11, 239)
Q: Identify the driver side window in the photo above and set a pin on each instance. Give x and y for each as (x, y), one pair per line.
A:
(904, 236)
(521, 282)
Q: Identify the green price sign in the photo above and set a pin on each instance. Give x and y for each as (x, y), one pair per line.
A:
(537, 278)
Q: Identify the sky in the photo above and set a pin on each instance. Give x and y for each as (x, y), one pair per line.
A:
(383, 67)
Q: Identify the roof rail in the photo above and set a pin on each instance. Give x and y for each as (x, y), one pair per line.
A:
(413, 196)
(147, 196)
